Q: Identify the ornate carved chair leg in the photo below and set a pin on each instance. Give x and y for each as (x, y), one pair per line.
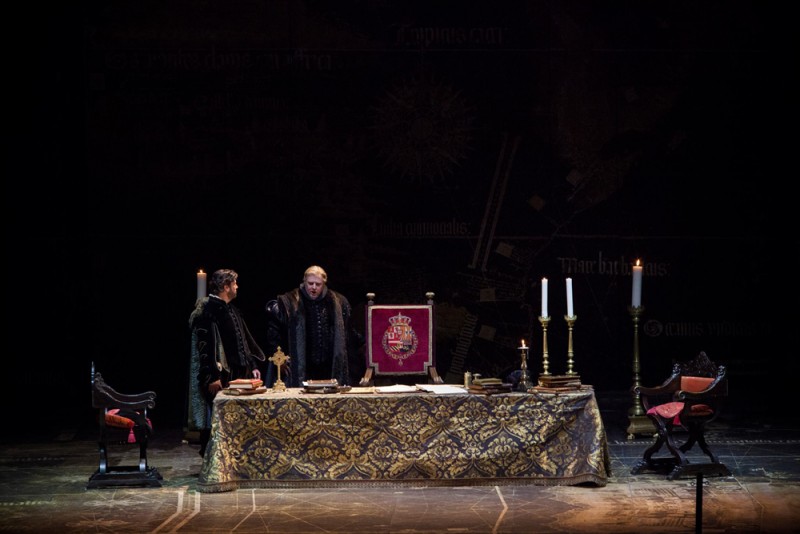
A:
(680, 458)
(143, 456)
(701, 440)
(696, 431)
(647, 461)
(681, 463)
(689, 442)
(654, 448)
(676, 472)
(103, 457)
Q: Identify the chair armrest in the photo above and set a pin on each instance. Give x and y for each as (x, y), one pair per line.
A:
(653, 391)
(104, 396)
(113, 399)
(668, 387)
(695, 398)
(653, 396)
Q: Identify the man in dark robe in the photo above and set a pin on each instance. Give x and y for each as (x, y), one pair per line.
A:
(312, 325)
(222, 349)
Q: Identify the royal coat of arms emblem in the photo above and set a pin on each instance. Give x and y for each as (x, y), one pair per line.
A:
(399, 340)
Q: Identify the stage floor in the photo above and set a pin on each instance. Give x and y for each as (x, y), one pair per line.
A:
(43, 481)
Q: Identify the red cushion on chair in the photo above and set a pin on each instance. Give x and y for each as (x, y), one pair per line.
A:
(667, 411)
(695, 383)
(672, 410)
(118, 421)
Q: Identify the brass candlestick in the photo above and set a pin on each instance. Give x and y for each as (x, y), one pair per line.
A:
(279, 358)
(545, 356)
(636, 409)
(570, 354)
(639, 422)
(524, 378)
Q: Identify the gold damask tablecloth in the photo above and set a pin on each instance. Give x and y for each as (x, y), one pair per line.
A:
(297, 439)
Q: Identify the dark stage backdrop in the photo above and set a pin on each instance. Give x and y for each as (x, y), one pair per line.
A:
(463, 148)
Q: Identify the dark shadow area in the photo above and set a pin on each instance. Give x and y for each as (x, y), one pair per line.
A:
(466, 150)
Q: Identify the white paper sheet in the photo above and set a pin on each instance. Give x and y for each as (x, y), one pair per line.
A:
(441, 389)
(396, 388)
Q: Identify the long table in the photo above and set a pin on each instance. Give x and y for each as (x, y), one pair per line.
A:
(297, 439)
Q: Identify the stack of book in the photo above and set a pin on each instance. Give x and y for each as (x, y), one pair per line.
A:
(489, 386)
(245, 386)
(556, 383)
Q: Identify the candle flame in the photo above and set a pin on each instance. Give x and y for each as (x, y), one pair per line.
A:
(200, 271)
(638, 262)
(523, 343)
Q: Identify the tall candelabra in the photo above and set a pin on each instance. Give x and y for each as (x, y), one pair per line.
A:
(570, 353)
(545, 356)
(639, 422)
(565, 382)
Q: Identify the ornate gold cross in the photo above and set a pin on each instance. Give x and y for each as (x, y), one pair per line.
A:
(279, 358)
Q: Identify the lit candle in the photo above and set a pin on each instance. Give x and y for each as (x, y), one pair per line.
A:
(201, 284)
(636, 293)
(569, 298)
(544, 297)
(524, 346)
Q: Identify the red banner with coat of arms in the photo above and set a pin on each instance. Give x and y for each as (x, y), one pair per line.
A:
(400, 339)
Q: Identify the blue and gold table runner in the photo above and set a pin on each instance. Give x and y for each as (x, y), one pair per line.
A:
(296, 439)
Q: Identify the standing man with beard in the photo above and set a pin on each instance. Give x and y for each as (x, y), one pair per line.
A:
(222, 348)
(312, 324)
